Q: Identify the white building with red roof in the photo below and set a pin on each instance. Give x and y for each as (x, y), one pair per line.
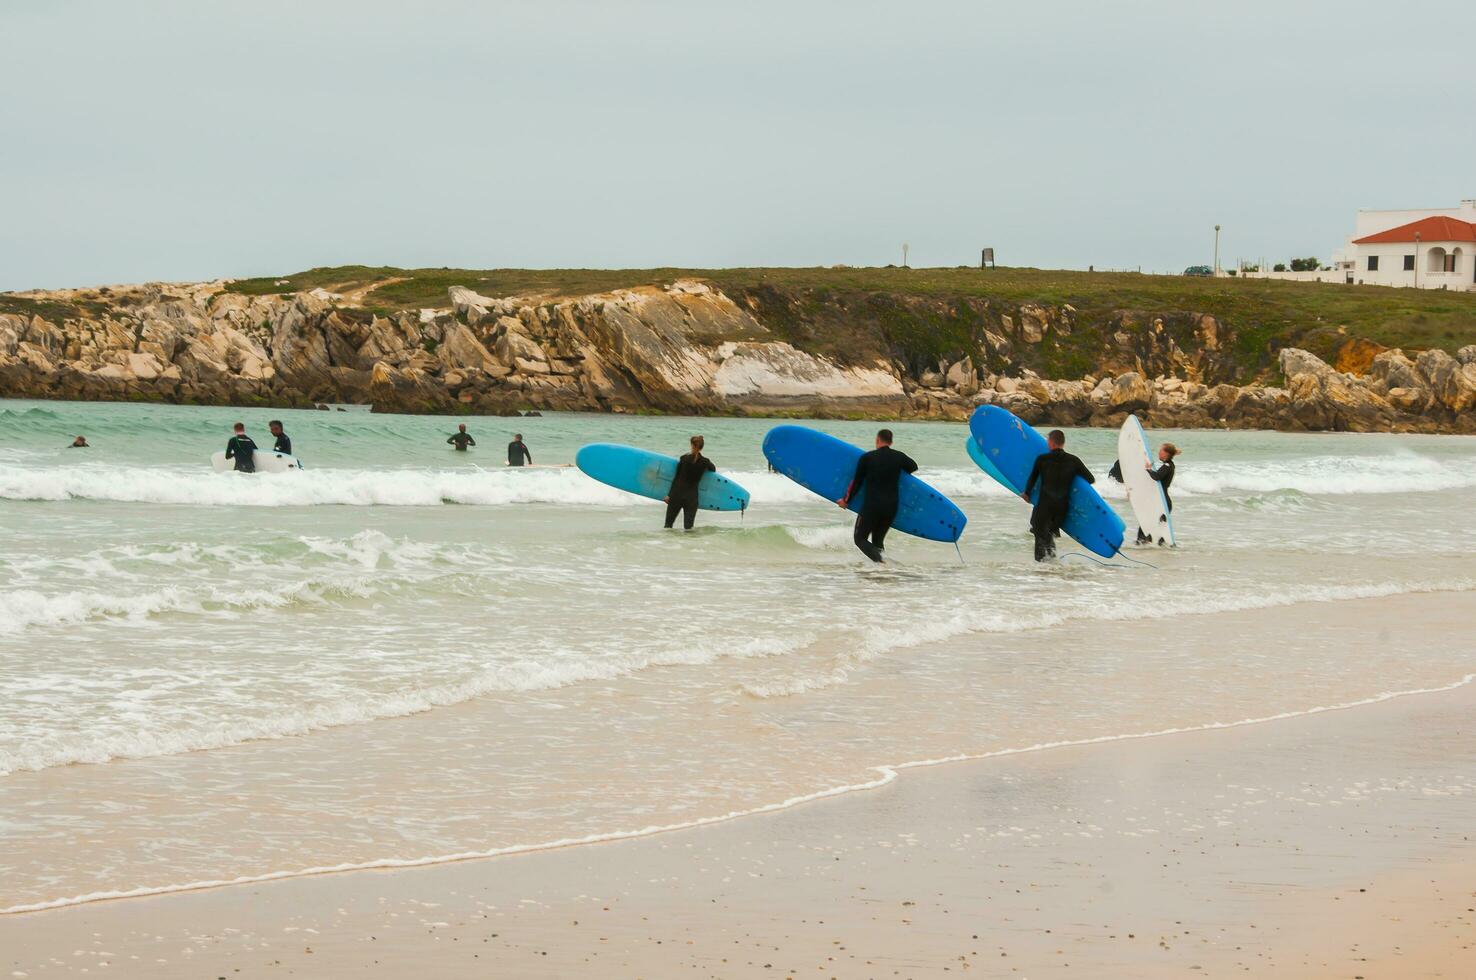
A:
(1427, 249)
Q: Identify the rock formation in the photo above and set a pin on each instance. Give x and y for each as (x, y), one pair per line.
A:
(688, 347)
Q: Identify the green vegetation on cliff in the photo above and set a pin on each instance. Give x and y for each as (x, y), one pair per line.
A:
(1265, 314)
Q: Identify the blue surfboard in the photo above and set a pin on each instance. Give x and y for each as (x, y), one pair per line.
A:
(649, 474)
(825, 465)
(1006, 448)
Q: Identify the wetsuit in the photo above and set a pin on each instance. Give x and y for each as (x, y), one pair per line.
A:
(283, 444)
(683, 493)
(877, 475)
(1165, 475)
(1055, 471)
(517, 453)
(1116, 472)
(243, 451)
(461, 440)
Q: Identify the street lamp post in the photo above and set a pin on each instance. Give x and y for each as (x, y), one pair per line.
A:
(1417, 261)
(1217, 250)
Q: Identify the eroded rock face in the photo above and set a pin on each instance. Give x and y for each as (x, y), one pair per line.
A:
(688, 347)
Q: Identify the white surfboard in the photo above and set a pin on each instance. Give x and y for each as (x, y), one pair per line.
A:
(266, 460)
(1145, 494)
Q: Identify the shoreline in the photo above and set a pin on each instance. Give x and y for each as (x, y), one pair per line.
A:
(913, 838)
(886, 775)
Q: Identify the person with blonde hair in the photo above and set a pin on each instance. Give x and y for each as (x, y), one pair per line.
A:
(682, 496)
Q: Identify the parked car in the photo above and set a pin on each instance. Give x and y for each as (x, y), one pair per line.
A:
(1199, 270)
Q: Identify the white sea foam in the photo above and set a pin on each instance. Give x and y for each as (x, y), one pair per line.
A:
(22, 609)
(359, 488)
(343, 569)
(1397, 472)
(823, 538)
(881, 641)
(885, 774)
(63, 748)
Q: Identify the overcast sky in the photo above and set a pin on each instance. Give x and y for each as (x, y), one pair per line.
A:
(190, 140)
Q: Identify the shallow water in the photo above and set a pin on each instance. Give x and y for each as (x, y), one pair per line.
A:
(404, 652)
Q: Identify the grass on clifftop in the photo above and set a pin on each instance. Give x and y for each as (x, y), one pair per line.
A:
(1258, 309)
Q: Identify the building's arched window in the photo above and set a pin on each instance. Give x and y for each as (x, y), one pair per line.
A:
(1435, 260)
(1453, 260)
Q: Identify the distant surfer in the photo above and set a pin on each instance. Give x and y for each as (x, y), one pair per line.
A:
(79, 443)
(242, 450)
(518, 454)
(682, 496)
(1055, 470)
(877, 474)
(284, 442)
(460, 439)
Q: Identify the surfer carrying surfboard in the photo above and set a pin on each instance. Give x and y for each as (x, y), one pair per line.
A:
(1055, 471)
(877, 474)
(242, 449)
(517, 451)
(683, 493)
(283, 443)
(1165, 472)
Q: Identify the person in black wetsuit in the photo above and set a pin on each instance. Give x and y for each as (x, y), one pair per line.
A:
(683, 493)
(79, 443)
(1055, 471)
(284, 442)
(460, 439)
(1165, 472)
(242, 450)
(517, 452)
(877, 474)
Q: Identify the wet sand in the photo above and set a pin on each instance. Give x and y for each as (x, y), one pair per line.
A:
(1338, 844)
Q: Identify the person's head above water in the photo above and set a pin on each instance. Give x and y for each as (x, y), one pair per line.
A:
(276, 426)
(80, 441)
(461, 427)
(883, 438)
(1056, 439)
(697, 443)
(239, 427)
(1167, 451)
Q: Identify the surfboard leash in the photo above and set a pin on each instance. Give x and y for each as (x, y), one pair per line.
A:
(1137, 561)
(960, 552)
(1078, 554)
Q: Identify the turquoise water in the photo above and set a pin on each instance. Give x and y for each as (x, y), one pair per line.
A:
(404, 652)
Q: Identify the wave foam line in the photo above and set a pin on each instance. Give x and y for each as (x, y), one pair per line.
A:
(884, 641)
(26, 608)
(519, 676)
(885, 774)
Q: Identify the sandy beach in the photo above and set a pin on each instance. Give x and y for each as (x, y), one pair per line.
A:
(1334, 844)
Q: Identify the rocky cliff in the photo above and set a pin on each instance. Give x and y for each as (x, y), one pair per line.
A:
(691, 347)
